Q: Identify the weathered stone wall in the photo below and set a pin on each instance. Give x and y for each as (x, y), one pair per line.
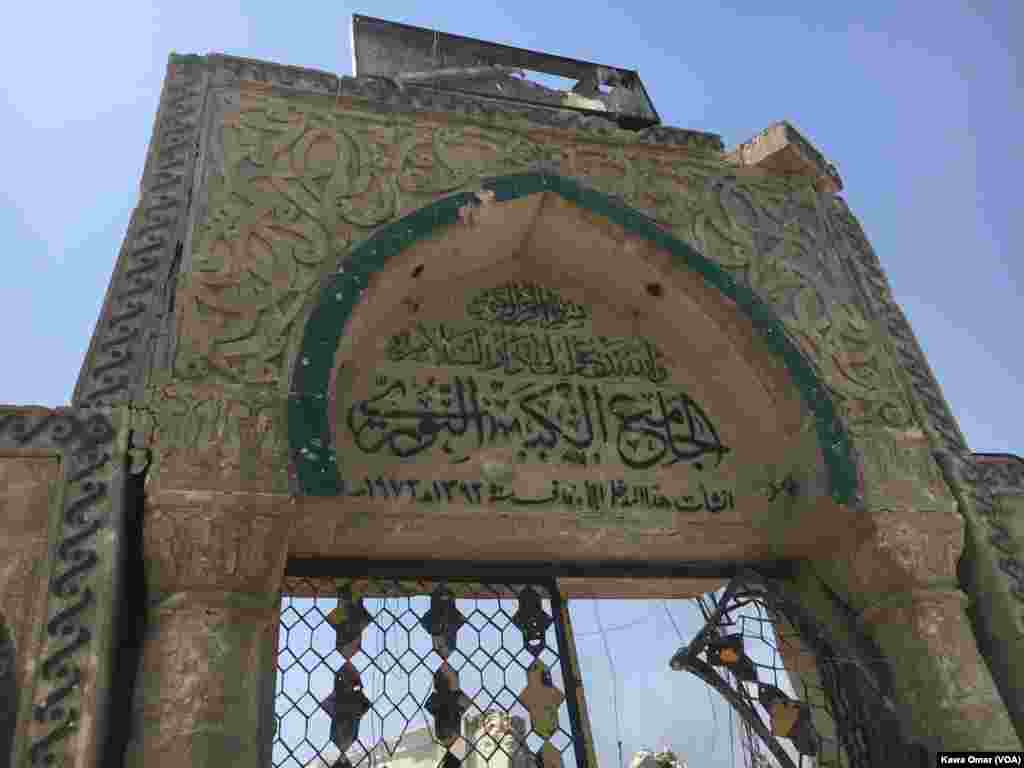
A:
(29, 505)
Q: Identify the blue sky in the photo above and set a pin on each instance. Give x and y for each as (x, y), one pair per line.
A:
(920, 109)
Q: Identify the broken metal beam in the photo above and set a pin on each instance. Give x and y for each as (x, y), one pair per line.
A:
(425, 57)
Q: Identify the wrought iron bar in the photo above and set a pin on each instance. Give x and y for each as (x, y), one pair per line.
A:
(855, 700)
(743, 708)
(573, 682)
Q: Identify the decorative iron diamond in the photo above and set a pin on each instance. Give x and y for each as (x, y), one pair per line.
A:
(532, 620)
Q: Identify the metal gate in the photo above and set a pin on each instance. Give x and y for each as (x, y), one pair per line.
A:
(842, 714)
(425, 672)
(412, 670)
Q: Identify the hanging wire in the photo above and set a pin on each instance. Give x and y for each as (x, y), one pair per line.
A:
(615, 683)
(616, 628)
(671, 618)
(732, 741)
(714, 719)
(707, 689)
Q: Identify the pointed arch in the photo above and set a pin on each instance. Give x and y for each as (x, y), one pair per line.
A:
(314, 461)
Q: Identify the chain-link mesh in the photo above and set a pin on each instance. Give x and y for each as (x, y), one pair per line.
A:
(851, 723)
(394, 681)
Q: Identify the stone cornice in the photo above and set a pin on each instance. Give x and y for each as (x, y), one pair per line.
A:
(138, 295)
(413, 97)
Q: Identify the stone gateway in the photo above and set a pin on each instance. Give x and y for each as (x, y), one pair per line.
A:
(408, 335)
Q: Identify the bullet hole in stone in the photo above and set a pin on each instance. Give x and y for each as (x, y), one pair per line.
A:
(654, 289)
(417, 270)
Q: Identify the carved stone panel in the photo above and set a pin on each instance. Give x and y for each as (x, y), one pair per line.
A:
(63, 516)
(506, 394)
(535, 365)
(28, 490)
(291, 186)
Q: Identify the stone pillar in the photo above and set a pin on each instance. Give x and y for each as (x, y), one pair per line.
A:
(268, 686)
(214, 563)
(902, 577)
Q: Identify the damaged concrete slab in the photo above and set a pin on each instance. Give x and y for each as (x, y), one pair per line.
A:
(782, 149)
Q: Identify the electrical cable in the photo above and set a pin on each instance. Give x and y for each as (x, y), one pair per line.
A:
(707, 688)
(616, 628)
(732, 741)
(615, 684)
(672, 619)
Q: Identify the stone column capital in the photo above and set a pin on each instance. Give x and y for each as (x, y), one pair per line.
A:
(932, 605)
(201, 541)
(939, 674)
(900, 550)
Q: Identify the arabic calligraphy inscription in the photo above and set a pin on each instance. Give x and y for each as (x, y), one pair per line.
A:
(528, 380)
(560, 421)
(526, 304)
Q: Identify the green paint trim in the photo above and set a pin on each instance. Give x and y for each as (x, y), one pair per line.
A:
(308, 425)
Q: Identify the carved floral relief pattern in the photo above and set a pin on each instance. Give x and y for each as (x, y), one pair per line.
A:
(303, 184)
(200, 438)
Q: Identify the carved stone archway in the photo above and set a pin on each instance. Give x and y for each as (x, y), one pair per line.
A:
(511, 230)
(898, 558)
(164, 490)
(220, 523)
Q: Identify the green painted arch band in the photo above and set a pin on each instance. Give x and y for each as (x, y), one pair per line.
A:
(314, 459)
